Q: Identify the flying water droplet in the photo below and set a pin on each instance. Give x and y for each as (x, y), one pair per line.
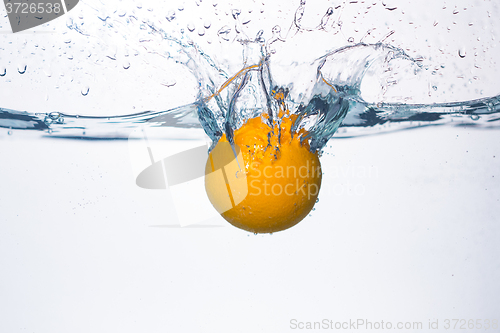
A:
(170, 15)
(85, 90)
(22, 68)
(462, 53)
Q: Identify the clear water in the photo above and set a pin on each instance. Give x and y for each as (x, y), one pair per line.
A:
(359, 86)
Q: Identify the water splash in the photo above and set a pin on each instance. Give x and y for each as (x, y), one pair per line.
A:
(325, 92)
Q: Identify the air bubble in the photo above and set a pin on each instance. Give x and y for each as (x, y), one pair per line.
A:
(85, 90)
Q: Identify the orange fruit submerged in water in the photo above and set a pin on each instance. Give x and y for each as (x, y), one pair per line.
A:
(271, 185)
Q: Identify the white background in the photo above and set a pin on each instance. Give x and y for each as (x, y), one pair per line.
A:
(406, 228)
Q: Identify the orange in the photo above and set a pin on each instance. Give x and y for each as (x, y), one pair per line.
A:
(271, 185)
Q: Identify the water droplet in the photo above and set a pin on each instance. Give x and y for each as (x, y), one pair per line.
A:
(235, 13)
(455, 11)
(389, 4)
(475, 117)
(126, 65)
(3, 71)
(181, 8)
(169, 83)
(207, 24)
(122, 13)
(317, 200)
(170, 15)
(351, 40)
(67, 41)
(190, 27)
(462, 53)
(255, 233)
(49, 131)
(434, 88)
(22, 68)
(70, 56)
(54, 115)
(201, 32)
(85, 90)
(9, 132)
(224, 32)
